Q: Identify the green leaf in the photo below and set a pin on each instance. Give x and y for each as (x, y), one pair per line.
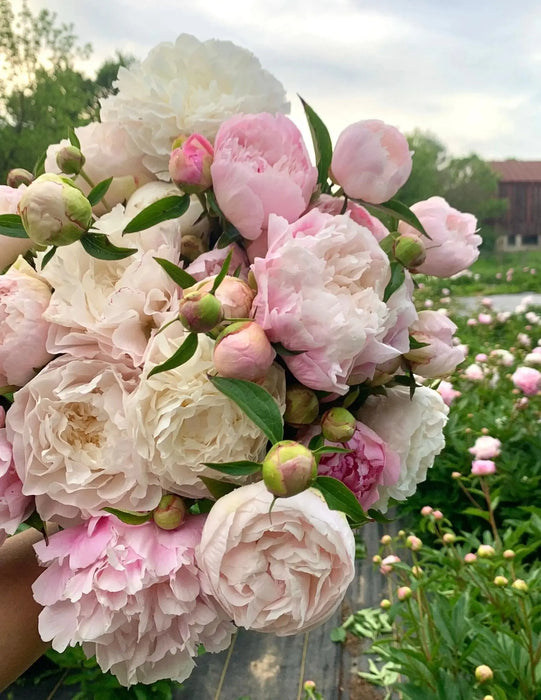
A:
(34, 520)
(99, 246)
(316, 442)
(128, 517)
(416, 344)
(339, 497)
(256, 402)
(479, 513)
(39, 167)
(73, 139)
(240, 468)
(398, 276)
(11, 225)
(97, 193)
(322, 143)
(48, 256)
(182, 355)
(329, 449)
(164, 209)
(395, 208)
(8, 391)
(379, 517)
(284, 352)
(217, 488)
(176, 273)
(203, 505)
(338, 634)
(223, 272)
(230, 235)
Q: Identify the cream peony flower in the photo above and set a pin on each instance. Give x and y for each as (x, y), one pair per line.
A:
(110, 308)
(188, 87)
(71, 445)
(180, 420)
(411, 427)
(285, 573)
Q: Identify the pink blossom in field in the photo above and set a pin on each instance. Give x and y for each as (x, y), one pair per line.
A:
(132, 595)
(474, 373)
(485, 319)
(366, 470)
(481, 357)
(503, 316)
(429, 303)
(371, 161)
(527, 379)
(486, 447)
(472, 322)
(487, 301)
(447, 393)
(483, 467)
(261, 167)
(524, 340)
(533, 358)
(503, 357)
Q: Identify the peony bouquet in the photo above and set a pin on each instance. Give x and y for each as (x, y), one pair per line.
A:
(212, 367)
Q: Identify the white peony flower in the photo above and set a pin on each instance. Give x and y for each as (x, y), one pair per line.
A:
(180, 420)
(411, 427)
(188, 87)
(71, 445)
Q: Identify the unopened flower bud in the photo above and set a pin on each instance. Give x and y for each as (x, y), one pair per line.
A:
(309, 685)
(288, 468)
(483, 673)
(483, 467)
(456, 475)
(385, 604)
(235, 295)
(18, 177)
(437, 515)
(243, 351)
(500, 581)
(54, 211)
(189, 164)
(302, 405)
(410, 251)
(520, 585)
(403, 593)
(338, 424)
(485, 551)
(376, 559)
(470, 558)
(416, 571)
(387, 563)
(509, 554)
(70, 160)
(401, 533)
(449, 538)
(426, 511)
(200, 311)
(386, 539)
(414, 543)
(170, 512)
(488, 697)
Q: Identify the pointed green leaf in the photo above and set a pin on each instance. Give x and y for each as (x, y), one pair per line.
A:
(223, 272)
(99, 191)
(339, 497)
(48, 256)
(416, 344)
(39, 167)
(73, 138)
(322, 143)
(379, 517)
(203, 505)
(241, 468)
(217, 488)
(176, 273)
(11, 225)
(330, 449)
(182, 355)
(99, 246)
(164, 209)
(316, 442)
(230, 235)
(398, 276)
(338, 634)
(395, 208)
(128, 517)
(256, 402)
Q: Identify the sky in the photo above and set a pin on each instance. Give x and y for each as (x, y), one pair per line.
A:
(465, 71)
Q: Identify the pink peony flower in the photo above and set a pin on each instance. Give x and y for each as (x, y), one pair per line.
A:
(131, 595)
(189, 164)
(371, 464)
(483, 467)
(437, 357)
(334, 205)
(14, 506)
(209, 264)
(485, 319)
(24, 297)
(474, 372)
(486, 447)
(453, 244)
(447, 393)
(282, 574)
(371, 161)
(320, 291)
(261, 167)
(11, 248)
(528, 380)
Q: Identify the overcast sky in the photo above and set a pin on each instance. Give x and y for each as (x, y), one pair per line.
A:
(468, 71)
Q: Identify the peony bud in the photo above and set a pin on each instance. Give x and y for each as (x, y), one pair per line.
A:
(416, 571)
(170, 512)
(309, 685)
(437, 515)
(70, 160)
(386, 539)
(488, 697)
(387, 563)
(500, 581)
(484, 673)
(470, 558)
(449, 538)
(486, 551)
(410, 252)
(189, 164)
(426, 511)
(456, 475)
(200, 312)
(302, 405)
(483, 467)
(520, 585)
(404, 593)
(54, 211)
(414, 543)
(243, 351)
(385, 604)
(288, 468)
(338, 424)
(18, 177)
(376, 559)
(509, 554)
(235, 295)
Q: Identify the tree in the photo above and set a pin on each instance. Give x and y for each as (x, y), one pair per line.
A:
(41, 91)
(429, 158)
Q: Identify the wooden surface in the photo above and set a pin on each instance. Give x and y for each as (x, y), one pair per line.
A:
(265, 667)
